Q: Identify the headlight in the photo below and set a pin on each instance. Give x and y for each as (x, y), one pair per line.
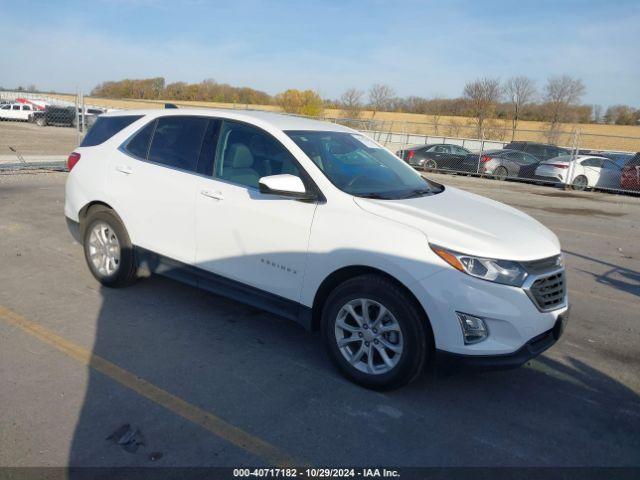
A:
(499, 271)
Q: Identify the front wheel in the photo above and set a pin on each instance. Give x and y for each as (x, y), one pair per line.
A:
(107, 248)
(374, 332)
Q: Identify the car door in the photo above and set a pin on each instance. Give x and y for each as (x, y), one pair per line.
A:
(458, 156)
(5, 112)
(15, 112)
(253, 238)
(591, 169)
(25, 112)
(152, 180)
(609, 175)
(527, 165)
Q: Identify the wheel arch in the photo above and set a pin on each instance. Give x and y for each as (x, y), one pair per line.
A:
(93, 205)
(345, 273)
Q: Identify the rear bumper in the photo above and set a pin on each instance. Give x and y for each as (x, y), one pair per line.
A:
(529, 350)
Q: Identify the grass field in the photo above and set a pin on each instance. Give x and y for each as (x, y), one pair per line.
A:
(596, 136)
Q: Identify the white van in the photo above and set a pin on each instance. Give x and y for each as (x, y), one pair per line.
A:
(16, 111)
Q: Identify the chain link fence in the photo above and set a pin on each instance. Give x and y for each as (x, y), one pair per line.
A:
(569, 159)
(42, 129)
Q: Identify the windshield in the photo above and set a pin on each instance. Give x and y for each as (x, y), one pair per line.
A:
(357, 165)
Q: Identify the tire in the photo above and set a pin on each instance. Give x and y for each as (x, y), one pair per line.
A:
(41, 122)
(103, 233)
(501, 174)
(580, 183)
(408, 333)
(430, 164)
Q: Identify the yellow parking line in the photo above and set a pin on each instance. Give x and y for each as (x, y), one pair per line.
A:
(203, 418)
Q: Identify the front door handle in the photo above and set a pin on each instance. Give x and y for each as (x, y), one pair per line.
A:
(124, 169)
(212, 194)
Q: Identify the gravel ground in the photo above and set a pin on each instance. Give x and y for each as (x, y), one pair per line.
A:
(30, 139)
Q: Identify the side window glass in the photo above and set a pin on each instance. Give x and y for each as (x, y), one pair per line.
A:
(246, 153)
(138, 146)
(26, 107)
(460, 151)
(16, 107)
(177, 140)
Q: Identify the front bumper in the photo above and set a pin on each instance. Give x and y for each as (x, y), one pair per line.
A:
(529, 350)
(512, 318)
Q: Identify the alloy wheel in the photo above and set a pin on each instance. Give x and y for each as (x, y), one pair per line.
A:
(368, 336)
(104, 249)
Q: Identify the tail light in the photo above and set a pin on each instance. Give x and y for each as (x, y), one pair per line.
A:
(72, 160)
(485, 158)
(558, 165)
(410, 154)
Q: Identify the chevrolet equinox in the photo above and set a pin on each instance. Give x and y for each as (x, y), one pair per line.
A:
(318, 223)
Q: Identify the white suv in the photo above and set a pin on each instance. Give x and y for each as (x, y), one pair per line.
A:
(318, 223)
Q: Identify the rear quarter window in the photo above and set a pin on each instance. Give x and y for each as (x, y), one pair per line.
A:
(107, 127)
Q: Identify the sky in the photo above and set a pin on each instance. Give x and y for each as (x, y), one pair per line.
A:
(423, 48)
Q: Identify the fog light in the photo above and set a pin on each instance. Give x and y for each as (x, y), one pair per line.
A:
(474, 329)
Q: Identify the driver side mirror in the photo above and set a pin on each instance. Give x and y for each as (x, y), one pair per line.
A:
(285, 185)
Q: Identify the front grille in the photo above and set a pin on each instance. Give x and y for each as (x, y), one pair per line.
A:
(548, 292)
(544, 265)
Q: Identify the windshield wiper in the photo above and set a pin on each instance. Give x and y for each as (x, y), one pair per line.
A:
(375, 196)
(419, 192)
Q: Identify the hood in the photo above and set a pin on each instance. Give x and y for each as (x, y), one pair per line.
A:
(471, 224)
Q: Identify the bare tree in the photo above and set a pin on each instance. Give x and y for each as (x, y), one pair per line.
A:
(481, 97)
(520, 91)
(597, 113)
(380, 97)
(351, 103)
(561, 93)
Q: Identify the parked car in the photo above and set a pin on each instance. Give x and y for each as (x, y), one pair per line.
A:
(621, 158)
(90, 116)
(542, 151)
(54, 115)
(630, 175)
(15, 111)
(502, 164)
(581, 172)
(441, 156)
(318, 223)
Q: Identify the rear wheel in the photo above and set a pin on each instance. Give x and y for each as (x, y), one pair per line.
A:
(107, 248)
(501, 173)
(374, 332)
(430, 164)
(580, 183)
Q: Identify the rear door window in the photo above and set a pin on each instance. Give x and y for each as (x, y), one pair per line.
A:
(177, 141)
(107, 127)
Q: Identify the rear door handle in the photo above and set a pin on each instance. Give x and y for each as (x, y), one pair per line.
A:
(124, 169)
(212, 194)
